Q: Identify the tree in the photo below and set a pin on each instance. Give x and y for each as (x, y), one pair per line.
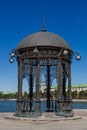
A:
(74, 95)
(83, 94)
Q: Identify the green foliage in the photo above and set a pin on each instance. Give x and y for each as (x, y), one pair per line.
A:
(11, 95)
(83, 94)
(74, 95)
(25, 95)
(79, 95)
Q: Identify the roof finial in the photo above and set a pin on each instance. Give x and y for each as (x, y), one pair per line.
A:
(43, 26)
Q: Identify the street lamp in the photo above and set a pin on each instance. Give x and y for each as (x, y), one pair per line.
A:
(12, 55)
(35, 50)
(77, 57)
(76, 54)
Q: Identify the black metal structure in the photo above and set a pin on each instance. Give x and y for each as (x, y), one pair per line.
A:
(35, 52)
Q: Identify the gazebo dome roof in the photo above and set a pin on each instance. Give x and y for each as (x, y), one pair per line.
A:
(43, 38)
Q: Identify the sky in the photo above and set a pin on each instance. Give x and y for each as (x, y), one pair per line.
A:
(20, 18)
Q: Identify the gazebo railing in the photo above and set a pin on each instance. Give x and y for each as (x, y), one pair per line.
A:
(30, 105)
(30, 108)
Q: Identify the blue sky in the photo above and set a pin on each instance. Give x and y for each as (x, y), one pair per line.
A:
(19, 18)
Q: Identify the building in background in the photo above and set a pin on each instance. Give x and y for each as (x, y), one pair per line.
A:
(78, 87)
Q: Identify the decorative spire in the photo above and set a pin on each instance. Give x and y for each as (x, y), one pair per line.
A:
(43, 26)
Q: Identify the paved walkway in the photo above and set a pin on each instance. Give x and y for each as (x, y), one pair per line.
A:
(75, 124)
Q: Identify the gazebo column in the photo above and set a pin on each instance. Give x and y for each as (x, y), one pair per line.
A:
(38, 88)
(64, 81)
(19, 98)
(69, 103)
(69, 82)
(48, 88)
(59, 90)
(31, 89)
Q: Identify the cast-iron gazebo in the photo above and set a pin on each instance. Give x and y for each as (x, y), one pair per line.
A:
(48, 54)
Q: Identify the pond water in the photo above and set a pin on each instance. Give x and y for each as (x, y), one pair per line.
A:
(10, 106)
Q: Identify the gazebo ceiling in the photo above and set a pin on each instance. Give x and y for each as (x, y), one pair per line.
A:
(43, 39)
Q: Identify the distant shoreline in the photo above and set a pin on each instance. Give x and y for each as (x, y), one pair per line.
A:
(8, 99)
(74, 100)
(79, 100)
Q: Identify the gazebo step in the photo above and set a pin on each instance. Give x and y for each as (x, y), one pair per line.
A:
(48, 114)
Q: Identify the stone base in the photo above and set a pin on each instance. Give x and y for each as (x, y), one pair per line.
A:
(45, 117)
